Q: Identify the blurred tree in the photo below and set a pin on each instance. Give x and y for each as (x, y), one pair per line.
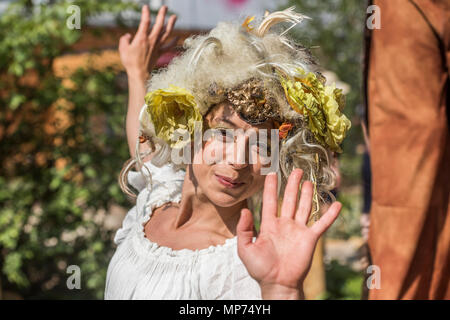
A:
(62, 147)
(343, 283)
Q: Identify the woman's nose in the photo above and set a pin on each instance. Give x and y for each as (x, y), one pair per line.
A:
(240, 157)
(238, 166)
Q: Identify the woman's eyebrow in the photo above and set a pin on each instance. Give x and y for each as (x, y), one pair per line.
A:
(225, 120)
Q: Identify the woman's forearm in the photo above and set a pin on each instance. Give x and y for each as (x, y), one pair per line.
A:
(138, 55)
(136, 94)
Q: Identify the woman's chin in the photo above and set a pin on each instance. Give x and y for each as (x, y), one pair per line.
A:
(223, 199)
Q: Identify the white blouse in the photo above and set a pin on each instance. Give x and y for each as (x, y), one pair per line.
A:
(142, 269)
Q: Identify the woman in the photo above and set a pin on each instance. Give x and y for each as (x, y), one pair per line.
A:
(191, 233)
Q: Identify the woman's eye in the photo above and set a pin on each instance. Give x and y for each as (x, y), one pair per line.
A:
(264, 146)
(261, 148)
(223, 135)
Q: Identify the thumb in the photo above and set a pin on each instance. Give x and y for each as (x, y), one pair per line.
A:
(244, 230)
(124, 40)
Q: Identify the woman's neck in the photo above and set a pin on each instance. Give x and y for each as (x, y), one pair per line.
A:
(196, 208)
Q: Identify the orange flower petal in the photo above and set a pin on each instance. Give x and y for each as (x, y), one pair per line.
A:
(246, 23)
(284, 130)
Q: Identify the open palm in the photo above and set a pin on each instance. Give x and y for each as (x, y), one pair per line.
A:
(141, 53)
(283, 250)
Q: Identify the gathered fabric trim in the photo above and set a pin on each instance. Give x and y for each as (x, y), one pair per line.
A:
(148, 247)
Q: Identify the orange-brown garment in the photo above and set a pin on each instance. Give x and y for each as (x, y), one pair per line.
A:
(407, 87)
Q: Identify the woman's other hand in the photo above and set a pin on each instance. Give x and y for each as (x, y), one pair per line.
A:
(281, 256)
(139, 55)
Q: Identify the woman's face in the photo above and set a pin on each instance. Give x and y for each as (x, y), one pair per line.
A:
(227, 170)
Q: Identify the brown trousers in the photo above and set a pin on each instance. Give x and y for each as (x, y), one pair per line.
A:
(407, 96)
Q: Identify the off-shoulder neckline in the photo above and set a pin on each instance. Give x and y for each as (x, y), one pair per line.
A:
(155, 248)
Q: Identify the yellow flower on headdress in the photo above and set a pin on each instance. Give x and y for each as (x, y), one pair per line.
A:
(321, 105)
(172, 109)
(338, 124)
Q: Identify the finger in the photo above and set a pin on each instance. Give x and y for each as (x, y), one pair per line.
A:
(144, 24)
(171, 44)
(290, 194)
(159, 23)
(168, 28)
(327, 219)
(270, 200)
(245, 229)
(158, 38)
(124, 41)
(305, 204)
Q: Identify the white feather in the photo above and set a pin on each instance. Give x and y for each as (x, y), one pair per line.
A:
(287, 15)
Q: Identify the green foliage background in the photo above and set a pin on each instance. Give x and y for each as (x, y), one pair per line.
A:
(44, 225)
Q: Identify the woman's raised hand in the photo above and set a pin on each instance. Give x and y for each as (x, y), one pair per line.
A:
(281, 256)
(139, 55)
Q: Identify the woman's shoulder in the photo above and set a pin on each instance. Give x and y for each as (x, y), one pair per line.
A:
(149, 173)
(160, 185)
(156, 186)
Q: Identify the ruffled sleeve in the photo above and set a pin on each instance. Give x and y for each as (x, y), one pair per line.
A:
(166, 187)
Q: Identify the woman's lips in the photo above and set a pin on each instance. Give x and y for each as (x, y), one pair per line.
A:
(227, 182)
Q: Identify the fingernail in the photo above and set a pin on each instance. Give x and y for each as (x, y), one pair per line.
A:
(271, 173)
